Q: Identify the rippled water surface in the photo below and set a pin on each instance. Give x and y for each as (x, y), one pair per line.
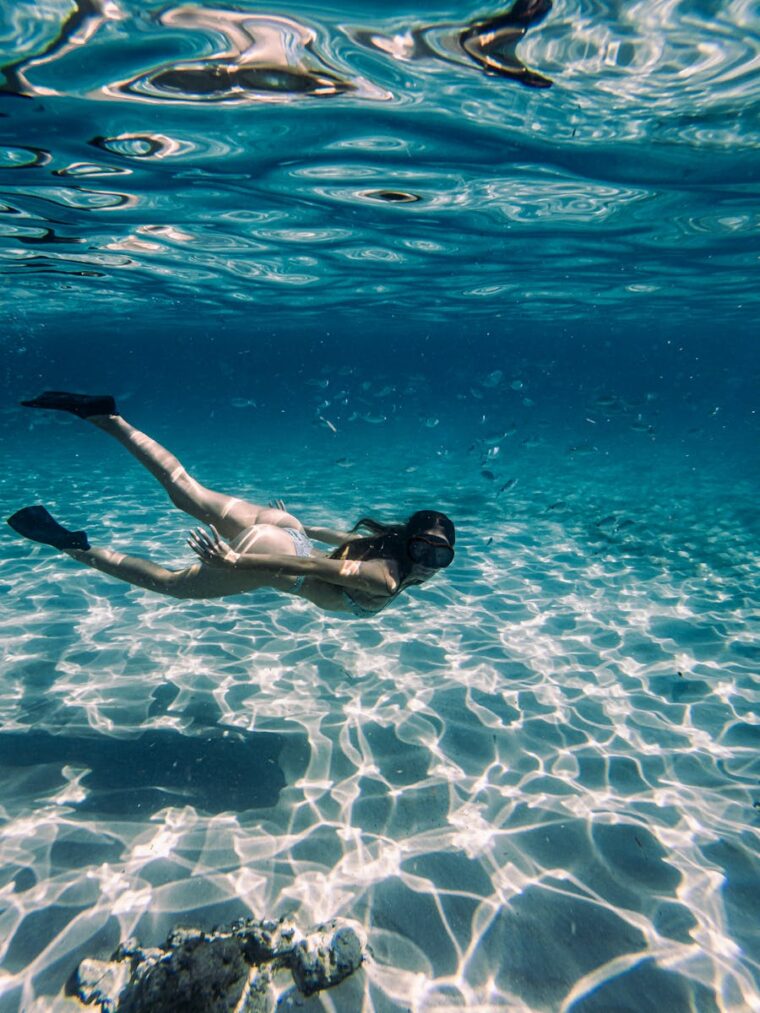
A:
(372, 258)
(345, 157)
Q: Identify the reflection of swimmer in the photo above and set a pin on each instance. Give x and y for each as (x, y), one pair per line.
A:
(490, 42)
(250, 57)
(265, 54)
(250, 546)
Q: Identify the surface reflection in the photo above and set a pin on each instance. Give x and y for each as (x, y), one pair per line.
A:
(490, 42)
(268, 57)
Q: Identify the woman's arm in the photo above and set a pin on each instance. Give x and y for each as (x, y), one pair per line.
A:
(372, 576)
(330, 537)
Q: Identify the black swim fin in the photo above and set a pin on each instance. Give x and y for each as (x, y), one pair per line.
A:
(82, 405)
(35, 522)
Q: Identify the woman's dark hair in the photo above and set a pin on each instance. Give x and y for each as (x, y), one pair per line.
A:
(389, 541)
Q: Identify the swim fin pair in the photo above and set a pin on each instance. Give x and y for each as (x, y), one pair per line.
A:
(35, 522)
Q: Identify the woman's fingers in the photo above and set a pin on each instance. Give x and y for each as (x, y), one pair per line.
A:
(211, 549)
(203, 537)
(220, 545)
(200, 543)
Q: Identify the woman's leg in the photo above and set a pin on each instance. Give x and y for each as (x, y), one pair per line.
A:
(196, 581)
(228, 514)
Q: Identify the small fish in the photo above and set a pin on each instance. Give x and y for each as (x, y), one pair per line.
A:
(582, 449)
(493, 379)
(322, 384)
(476, 393)
(493, 439)
(344, 462)
(528, 402)
(374, 419)
(488, 474)
(242, 402)
(509, 484)
(432, 422)
(328, 423)
(517, 385)
(606, 401)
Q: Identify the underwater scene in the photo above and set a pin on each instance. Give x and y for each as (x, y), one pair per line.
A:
(341, 261)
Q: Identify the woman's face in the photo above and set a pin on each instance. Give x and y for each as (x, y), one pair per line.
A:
(430, 538)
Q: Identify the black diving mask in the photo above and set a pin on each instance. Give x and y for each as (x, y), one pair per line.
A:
(430, 551)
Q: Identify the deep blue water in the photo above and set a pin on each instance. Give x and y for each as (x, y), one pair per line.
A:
(371, 259)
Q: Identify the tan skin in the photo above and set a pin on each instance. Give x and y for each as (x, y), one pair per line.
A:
(268, 558)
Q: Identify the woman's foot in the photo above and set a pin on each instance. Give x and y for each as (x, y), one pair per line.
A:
(82, 405)
(35, 523)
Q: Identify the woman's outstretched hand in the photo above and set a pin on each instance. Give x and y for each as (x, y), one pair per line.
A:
(211, 549)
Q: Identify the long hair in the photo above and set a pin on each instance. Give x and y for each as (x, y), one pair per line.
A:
(389, 541)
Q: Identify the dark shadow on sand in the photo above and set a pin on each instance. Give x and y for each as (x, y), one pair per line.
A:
(234, 772)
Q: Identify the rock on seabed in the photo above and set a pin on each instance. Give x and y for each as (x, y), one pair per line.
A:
(225, 970)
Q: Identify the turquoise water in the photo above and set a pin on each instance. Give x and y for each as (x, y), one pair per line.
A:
(371, 260)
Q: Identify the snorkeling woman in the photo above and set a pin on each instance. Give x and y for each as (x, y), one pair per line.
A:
(250, 546)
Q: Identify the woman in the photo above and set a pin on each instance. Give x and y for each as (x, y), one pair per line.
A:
(250, 546)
